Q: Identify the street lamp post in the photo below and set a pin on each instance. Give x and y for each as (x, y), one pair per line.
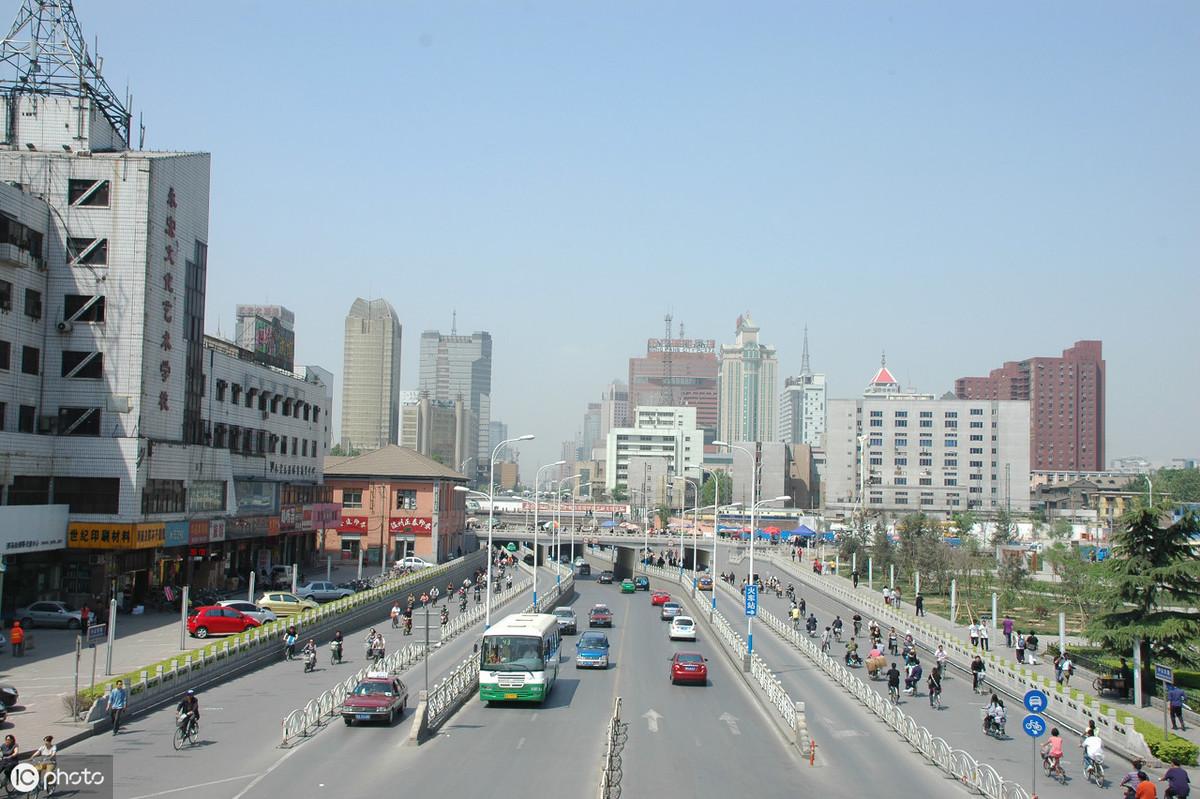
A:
(716, 519)
(559, 531)
(695, 521)
(487, 613)
(536, 495)
(579, 487)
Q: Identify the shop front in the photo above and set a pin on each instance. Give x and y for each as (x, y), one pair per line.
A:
(121, 559)
(411, 535)
(351, 531)
(171, 560)
(33, 543)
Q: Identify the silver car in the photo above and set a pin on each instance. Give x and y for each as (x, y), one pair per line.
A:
(49, 613)
(322, 591)
(261, 615)
(670, 610)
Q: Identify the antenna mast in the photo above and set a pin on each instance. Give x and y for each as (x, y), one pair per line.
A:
(668, 391)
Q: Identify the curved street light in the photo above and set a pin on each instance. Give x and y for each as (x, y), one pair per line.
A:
(536, 497)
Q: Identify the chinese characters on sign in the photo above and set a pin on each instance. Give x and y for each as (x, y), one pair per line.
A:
(100, 535)
(168, 305)
(410, 524)
(353, 524)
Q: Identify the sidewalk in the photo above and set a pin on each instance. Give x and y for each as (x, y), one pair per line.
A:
(47, 670)
(1082, 681)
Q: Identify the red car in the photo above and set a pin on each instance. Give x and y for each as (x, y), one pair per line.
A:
(689, 667)
(659, 597)
(217, 620)
(380, 697)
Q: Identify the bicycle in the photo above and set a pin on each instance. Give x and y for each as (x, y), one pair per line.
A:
(894, 694)
(1054, 769)
(1095, 773)
(935, 699)
(185, 731)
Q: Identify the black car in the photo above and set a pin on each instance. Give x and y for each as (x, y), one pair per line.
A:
(641, 583)
(583, 569)
(8, 697)
(606, 577)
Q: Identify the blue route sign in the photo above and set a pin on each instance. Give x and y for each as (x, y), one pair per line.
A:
(1164, 673)
(1036, 701)
(751, 600)
(1034, 726)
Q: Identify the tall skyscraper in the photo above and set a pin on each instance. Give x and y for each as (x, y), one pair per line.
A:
(749, 387)
(677, 372)
(1066, 405)
(371, 376)
(614, 408)
(802, 406)
(460, 367)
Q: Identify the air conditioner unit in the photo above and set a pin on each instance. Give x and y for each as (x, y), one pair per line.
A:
(64, 326)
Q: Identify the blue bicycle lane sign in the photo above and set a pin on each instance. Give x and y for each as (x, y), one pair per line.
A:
(1034, 726)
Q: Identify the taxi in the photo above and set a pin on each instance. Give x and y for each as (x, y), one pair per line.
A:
(377, 697)
(627, 586)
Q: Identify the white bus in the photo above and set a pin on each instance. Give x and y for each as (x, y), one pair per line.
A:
(519, 658)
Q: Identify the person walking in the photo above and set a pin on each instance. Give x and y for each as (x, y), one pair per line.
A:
(919, 602)
(983, 634)
(973, 634)
(85, 619)
(118, 699)
(1067, 668)
(854, 577)
(1008, 631)
(17, 637)
(1175, 697)
(1020, 648)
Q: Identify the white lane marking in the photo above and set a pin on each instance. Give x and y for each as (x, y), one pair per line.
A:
(266, 773)
(193, 787)
(520, 743)
(848, 734)
(652, 716)
(731, 722)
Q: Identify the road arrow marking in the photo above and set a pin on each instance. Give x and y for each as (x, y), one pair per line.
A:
(731, 722)
(652, 716)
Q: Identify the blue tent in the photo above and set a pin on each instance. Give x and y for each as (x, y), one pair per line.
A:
(804, 531)
(729, 528)
(762, 535)
(827, 536)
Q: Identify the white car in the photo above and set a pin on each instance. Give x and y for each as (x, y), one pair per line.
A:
(261, 615)
(413, 562)
(683, 628)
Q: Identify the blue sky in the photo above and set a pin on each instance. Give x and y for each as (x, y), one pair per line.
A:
(959, 183)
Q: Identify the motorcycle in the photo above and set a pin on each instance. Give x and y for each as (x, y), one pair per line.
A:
(310, 660)
(993, 726)
(408, 625)
(335, 652)
(462, 605)
(853, 661)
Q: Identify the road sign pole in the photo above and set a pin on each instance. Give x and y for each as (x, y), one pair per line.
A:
(250, 593)
(75, 696)
(1137, 671)
(112, 635)
(1166, 703)
(1033, 742)
(183, 609)
(93, 648)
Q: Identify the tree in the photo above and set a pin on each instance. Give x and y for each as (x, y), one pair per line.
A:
(883, 553)
(1150, 584)
(1005, 531)
(1076, 577)
(340, 451)
(619, 494)
(964, 522)
(915, 531)
(709, 487)
(1181, 485)
(1061, 530)
(664, 516)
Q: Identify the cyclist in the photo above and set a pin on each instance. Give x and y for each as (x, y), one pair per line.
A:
(1130, 781)
(934, 683)
(795, 613)
(825, 640)
(9, 755)
(857, 619)
(445, 616)
(893, 680)
(189, 708)
(811, 624)
(977, 668)
(852, 658)
(803, 606)
(1052, 750)
(395, 614)
(1093, 747)
(892, 641)
(45, 758)
(940, 656)
(289, 643)
(837, 627)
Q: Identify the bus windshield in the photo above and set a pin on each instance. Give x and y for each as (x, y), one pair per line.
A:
(512, 653)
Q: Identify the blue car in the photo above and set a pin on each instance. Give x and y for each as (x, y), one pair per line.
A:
(591, 651)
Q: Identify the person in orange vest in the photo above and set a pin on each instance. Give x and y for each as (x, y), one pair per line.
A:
(17, 636)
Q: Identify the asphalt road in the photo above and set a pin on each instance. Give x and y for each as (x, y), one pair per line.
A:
(240, 725)
(958, 721)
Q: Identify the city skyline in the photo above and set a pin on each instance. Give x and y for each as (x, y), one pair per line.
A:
(996, 219)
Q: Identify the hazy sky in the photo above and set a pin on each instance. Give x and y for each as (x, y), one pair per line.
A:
(959, 183)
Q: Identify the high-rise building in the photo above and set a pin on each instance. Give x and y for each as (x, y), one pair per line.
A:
(440, 430)
(663, 441)
(497, 432)
(268, 331)
(749, 386)
(590, 438)
(1066, 404)
(802, 405)
(900, 452)
(460, 367)
(614, 408)
(371, 376)
(677, 372)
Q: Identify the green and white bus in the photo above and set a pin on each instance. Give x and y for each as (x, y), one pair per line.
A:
(519, 658)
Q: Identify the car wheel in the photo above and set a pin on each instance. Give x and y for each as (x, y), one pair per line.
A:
(201, 632)
(392, 718)
(72, 624)
(349, 721)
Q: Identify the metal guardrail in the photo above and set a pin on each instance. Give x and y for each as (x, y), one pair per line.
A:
(304, 721)
(614, 743)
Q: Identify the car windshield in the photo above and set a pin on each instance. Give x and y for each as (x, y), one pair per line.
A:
(600, 609)
(512, 653)
(683, 621)
(593, 641)
(688, 657)
(373, 688)
(671, 606)
(564, 613)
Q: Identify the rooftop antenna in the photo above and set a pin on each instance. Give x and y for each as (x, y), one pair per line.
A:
(454, 322)
(805, 368)
(45, 54)
(668, 391)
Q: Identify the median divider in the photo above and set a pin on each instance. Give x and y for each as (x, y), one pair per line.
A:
(614, 742)
(304, 721)
(437, 706)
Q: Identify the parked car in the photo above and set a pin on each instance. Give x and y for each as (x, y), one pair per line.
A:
(567, 624)
(322, 591)
(378, 697)
(261, 615)
(413, 562)
(217, 620)
(606, 577)
(591, 651)
(282, 603)
(689, 667)
(280, 577)
(48, 613)
(8, 696)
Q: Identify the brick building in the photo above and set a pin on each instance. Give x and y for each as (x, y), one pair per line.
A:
(1066, 405)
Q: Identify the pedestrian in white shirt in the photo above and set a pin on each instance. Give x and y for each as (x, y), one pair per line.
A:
(983, 634)
(973, 634)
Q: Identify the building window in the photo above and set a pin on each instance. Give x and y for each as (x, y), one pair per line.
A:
(876, 414)
(82, 365)
(976, 450)
(352, 498)
(901, 442)
(30, 360)
(901, 414)
(79, 421)
(221, 390)
(88, 193)
(876, 461)
(304, 447)
(951, 463)
(901, 500)
(26, 419)
(235, 394)
(84, 307)
(926, 423)
(21, 237)
(977, 411)
(164, 496)
(5, 294)
(295, 445)
(951, 414)
(5, 356)
(876, 442)
(901, 423)
(951, 442)
(901, 481)
(925, 481)
(951, 424)
(950, 481)
(220, 432)
(976, 424)
(283, 445)
(901, 462)
(29, 490)
(926, 414)
(876, 423)
(976, 437)
(89, 494)
(33, 304)
(316, 416)
(87, 252)
(925, 462)
(406, 499)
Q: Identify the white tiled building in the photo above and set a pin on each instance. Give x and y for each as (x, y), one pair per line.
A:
(668, 435)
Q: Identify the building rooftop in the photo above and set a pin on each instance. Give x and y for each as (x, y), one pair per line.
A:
(390, 461)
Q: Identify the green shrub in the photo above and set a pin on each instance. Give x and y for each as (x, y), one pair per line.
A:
(1166, 748)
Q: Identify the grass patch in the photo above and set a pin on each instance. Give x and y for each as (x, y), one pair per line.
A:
(1169, 747)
